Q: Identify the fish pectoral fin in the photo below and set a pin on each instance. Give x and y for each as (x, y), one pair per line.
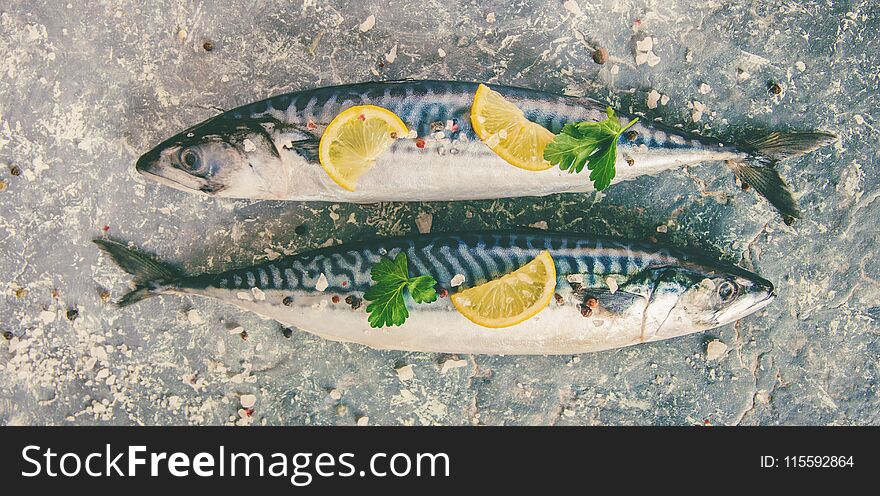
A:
(298, 140)
(616, 303)
(306, 148)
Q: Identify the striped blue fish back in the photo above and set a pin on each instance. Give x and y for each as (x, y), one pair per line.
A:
(479, 257)
(420, 104)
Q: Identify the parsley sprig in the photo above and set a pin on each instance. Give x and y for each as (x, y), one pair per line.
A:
(593, 144)
(387, 306)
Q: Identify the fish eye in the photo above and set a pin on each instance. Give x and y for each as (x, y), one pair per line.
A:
(190, 160)
(726, 291)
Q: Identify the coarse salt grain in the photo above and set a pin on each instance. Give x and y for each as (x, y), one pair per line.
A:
(405, 373)
(653, 98)
(715, 350)
(612, 284)
(452, 364)
(322, 283)
(194, 317)
(368, 24)
(248, 400)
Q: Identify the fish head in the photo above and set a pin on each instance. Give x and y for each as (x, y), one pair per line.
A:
(220, 157)
(693, 298)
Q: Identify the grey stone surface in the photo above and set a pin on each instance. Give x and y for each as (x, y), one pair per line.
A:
(87, 86)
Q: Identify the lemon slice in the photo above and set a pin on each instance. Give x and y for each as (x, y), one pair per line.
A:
(512, 298)
(505, 129)
(354, 139)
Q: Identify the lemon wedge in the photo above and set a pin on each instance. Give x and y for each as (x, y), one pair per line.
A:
(504, 128)
(513, 297)
(354, 139)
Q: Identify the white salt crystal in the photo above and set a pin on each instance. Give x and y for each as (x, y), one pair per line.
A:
(612, 284)
(452, 364)
(645, 44)
(541, 224)
(424, 221)
(368, 24)
(248, 400)
(391, 56)
(194, 317)
(653, 98)
(715, 350)
(47, 317)
(322, 283)
(405, 373)
(573, 7)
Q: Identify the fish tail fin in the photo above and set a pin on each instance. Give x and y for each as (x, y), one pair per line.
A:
(759, 170)
(781, 146)
(151, 277)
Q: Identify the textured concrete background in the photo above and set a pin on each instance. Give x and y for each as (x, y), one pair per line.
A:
(86, 87)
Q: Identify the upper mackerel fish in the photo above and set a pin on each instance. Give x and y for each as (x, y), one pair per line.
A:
(656, 293)
(268, 149)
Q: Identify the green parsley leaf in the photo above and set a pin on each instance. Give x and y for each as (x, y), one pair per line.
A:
(387, 297)
(422, 289)
(590, 144)
(387, 307)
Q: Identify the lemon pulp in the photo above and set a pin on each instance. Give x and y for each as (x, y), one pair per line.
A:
(513, 297)
(504, 128)
(353, 141)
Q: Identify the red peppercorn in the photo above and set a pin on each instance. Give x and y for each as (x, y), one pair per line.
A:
(335, 299)
(443, 293)
(420, 143)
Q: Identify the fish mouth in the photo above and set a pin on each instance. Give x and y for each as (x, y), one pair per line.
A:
(764, 294)
(150, 167)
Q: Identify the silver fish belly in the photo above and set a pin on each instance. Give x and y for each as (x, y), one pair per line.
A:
(445, 160)
(609, 293)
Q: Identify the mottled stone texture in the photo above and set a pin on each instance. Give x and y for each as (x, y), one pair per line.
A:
(85, 88)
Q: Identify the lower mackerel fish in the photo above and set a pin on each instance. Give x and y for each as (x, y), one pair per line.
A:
(609, 292)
